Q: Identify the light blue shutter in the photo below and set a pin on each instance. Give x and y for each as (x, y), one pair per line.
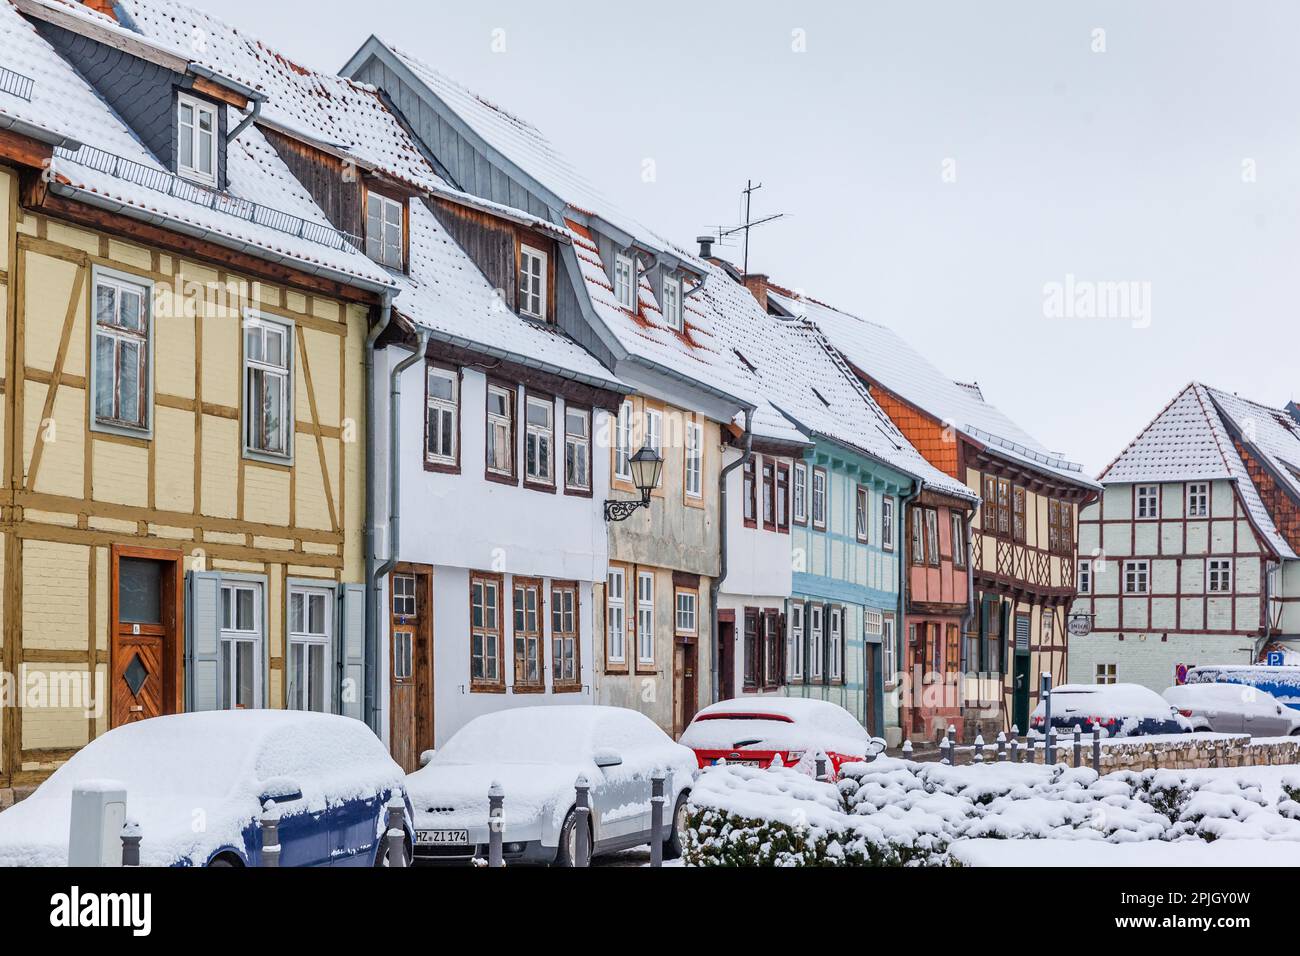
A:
(203, 641)
(352, 649)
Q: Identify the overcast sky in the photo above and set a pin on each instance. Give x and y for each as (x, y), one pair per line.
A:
(940, 164)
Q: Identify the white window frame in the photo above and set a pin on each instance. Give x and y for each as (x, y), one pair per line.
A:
(616, 616)
(508, 421)
(1147, 504)
(888, 650)
(1137, 577)
(686, 607)
(577, 447)
(262, 324)
(653, 423)
(645, 617)
(1105, 674)
(1198, 499)
(625, 281)
(233, 637)
(566, 668)
(957, 528)
(672, 302)
(887, 523)
(815, 624)
(823, 523)
(623, 442)
(532, 282)
(436, 408)
(121, 282)
(1084, 577)
(385, 239)
(541, 437)
(193, 131)
(799, 490)
(694, 463)
(836, 649)
(321, 641)
(1220, 576)
(794, 636)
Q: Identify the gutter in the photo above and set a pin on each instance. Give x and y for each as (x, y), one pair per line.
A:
(970, 598)
(23, 128)
(370, 696)
(716, 585)
(900, 632)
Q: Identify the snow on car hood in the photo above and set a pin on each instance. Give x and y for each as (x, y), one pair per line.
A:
(194, 781)
(446, 795)
(795, 723)
(1127, 703)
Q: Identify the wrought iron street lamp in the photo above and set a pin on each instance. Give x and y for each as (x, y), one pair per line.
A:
(645, 466)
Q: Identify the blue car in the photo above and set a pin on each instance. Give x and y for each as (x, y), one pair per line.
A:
(197, 784)
(1119, 710)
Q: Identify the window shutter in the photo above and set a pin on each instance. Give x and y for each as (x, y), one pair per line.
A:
(352, 650)
(826, 644)
(781, 661)
(806, 637)
(203, 641)
(981, 664)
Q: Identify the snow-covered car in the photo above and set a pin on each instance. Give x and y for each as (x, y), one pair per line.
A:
(537, 754)
(1120, 710)
(1234, 709)
(753, 731)
(197, 783)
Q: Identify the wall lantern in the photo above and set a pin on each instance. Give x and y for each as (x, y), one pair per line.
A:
(645, 466)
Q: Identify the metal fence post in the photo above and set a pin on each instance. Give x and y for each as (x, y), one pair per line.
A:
(1002, 747)
(1051, 747)
(396, 834)
(979, 749)
(131, 844)
(496, 821)
(1096, 749)
(952, 743)
(946, 749)
(821, 766)
(1078, 746)
(270, 835)
(581, 816)
(656, 818)
(1015, 750)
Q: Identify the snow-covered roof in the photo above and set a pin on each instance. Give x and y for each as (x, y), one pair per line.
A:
(1188, 441)
(793, 367)
(63, 105)
(884, 356)
(446, 292)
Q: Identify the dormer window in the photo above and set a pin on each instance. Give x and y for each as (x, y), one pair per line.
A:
(384, 224)
(532, 282)
(196, 139)
(672, 302)
(624, 281)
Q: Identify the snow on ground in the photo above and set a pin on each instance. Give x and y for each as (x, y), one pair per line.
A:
(1035, 853)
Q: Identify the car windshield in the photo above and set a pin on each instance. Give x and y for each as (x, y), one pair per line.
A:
(523, 735)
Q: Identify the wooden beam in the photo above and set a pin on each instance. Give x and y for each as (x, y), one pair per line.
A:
(52, 390)
(315, 421)
(217, 91)
(24, 150)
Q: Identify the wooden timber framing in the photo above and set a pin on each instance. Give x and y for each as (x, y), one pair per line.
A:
(73, 496)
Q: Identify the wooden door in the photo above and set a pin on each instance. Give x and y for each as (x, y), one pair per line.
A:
(726, 659)
(144, 634)
(872, 695)
(685, 698)
(401, 697)
(410, 664)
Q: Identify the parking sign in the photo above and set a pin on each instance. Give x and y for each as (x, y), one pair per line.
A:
(1275, 658)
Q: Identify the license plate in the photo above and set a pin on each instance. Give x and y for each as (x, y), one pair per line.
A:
(742, 763)
(442, 837)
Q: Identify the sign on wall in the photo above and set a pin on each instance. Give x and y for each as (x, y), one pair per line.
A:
(1079, 625)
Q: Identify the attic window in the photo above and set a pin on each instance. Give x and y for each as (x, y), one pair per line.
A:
(672, 302)
(384, 228)
(624, 281)
(820, 397)
(745, 362)
(196, 139)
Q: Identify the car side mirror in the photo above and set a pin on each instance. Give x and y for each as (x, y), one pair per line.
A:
(280, 790)
(607, 758)
(425, 758)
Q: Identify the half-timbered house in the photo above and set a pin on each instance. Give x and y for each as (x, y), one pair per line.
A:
(1022, 540)
(1190, 556)
(184, 415)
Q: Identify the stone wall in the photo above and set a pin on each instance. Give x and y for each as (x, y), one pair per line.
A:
(1194, 753)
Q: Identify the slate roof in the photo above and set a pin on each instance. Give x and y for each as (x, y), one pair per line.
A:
(884, 356)
(63, 104)
(1188, 441)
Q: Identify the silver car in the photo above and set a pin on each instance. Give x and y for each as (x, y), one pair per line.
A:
(1234, 709)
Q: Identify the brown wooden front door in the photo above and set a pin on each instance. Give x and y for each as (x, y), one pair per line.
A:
(727, 658)
(145, 634)
(685, 697)
(410, 665)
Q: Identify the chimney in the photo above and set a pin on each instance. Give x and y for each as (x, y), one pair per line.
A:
(1293, 409)
(102, 6)
(706, 246)
(756, 283)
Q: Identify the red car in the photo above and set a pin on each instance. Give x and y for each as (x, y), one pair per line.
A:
(753, 731)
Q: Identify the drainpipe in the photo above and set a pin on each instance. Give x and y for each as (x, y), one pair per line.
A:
(394, 508)
(247, 121)
(900, 632)
(370, 696)
(970, 605)
(716, 586)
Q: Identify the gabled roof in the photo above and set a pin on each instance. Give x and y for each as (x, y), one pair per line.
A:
(796, 370)
(1188, 441)
(883, 356)
(114, 170)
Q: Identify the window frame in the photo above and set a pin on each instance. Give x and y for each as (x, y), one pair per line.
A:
(957, 528)
(821, 473)
(254, 318)
(673, 317)
(889, 649)
(440, 462)
(236, 635)
(308, 639)
(620, 261)
(624, 430)
(932, 540)
(796, 648)
(769, 494)
(540, 399)
(116, 278)
(693, 461)
(536, 587)
(486, 685)
(816, 643)
(612, 603)
(385, 203)
(1105, 674)
(783, 497)
(693, 627)
(749, 492)
(1224, 575)
(862, 514)
(1019, 514)
(511, 392)
(561, 684)
(589, 416)
(887, 523)
(916, 536)
(1203, 495)
(193, 173)
(1141, 499)
(656, 416)
(835, 645)
(1141, 570)
(1083, 576)
(523, 294)
(645, 607)
(799, 496)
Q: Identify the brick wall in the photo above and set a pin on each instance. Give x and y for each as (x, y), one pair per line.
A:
(1281, 506)
(936, 444)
